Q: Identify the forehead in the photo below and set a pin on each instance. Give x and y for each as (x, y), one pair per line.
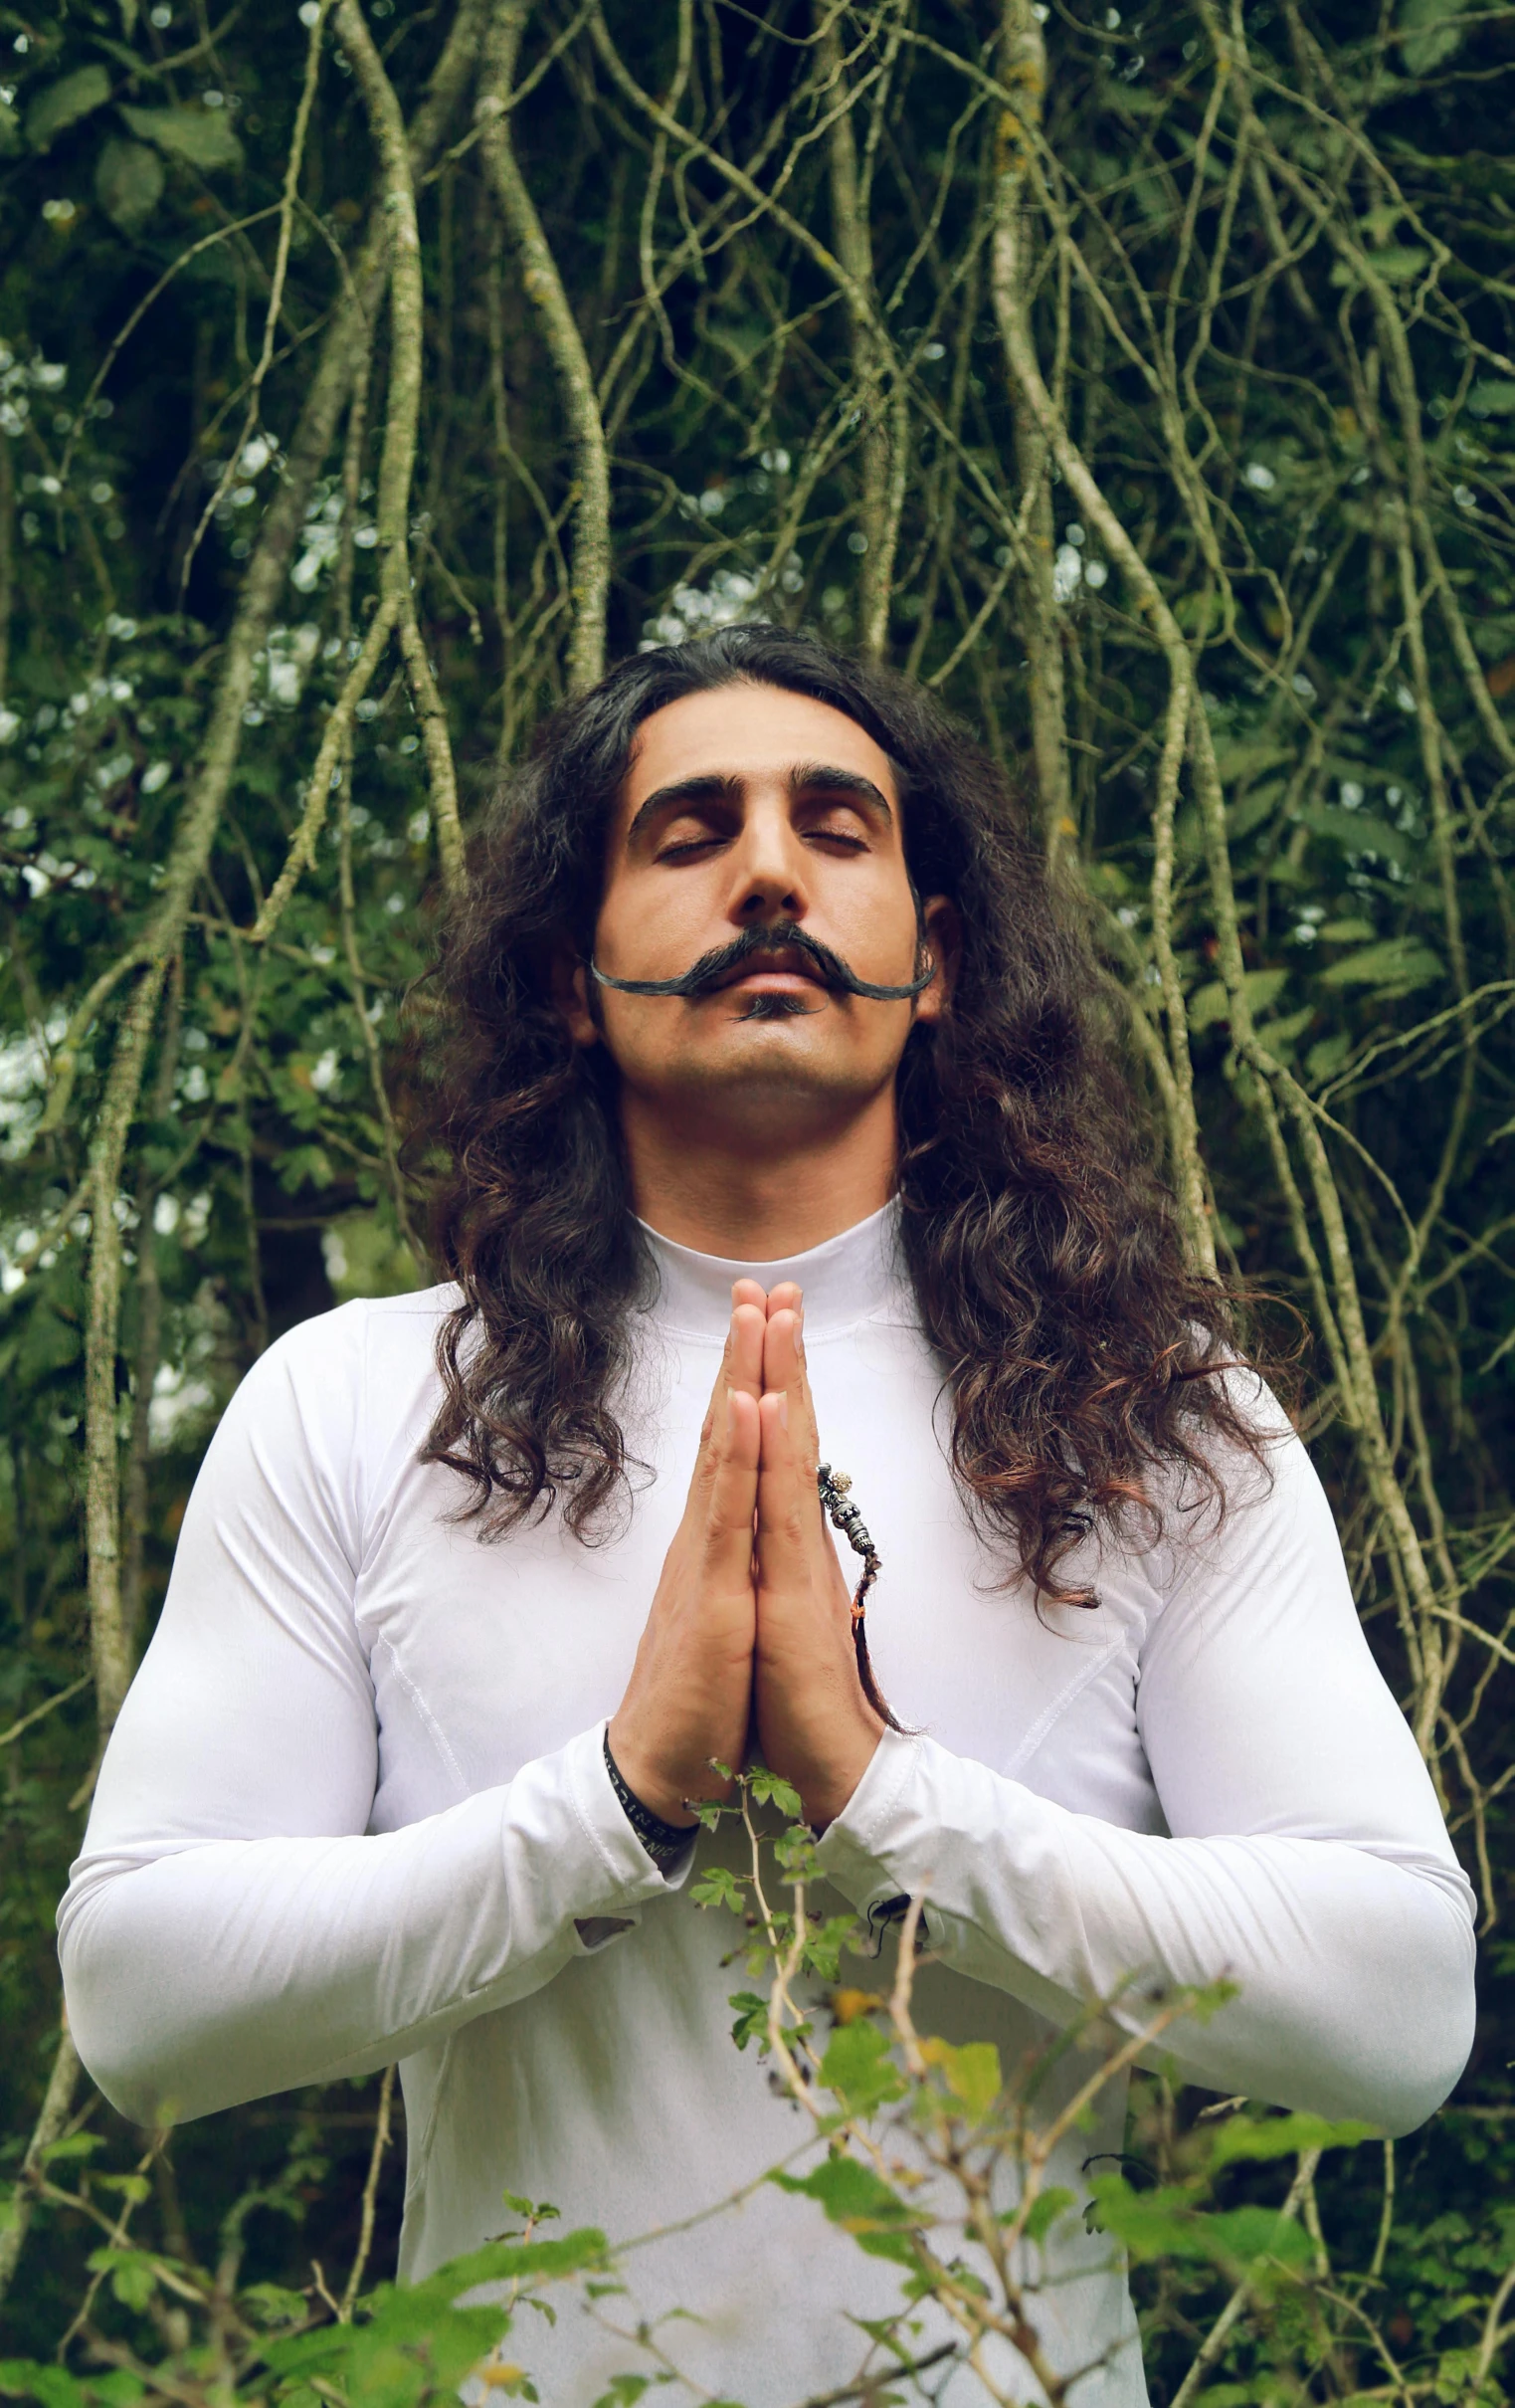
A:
(750, 733)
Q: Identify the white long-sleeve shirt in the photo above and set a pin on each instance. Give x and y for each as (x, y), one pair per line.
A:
(355, 1809)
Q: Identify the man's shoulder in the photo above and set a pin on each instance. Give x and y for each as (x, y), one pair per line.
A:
(371, 1355)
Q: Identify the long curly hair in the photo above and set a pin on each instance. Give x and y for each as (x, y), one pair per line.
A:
(1081, 1350)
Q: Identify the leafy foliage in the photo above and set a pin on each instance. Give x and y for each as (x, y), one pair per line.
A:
(1141, 379)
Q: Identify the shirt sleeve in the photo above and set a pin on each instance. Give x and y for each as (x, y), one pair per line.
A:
(1305, 1860)
(232, 1927)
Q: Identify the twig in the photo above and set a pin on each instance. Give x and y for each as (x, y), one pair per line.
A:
(370, 2198)
(60, 1697)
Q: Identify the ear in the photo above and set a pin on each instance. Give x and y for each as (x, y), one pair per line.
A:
(570, 993)
(944, 943)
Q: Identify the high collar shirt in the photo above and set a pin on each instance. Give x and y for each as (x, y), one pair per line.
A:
(356, 1810)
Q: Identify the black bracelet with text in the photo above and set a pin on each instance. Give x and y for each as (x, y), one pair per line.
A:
(663, 1842)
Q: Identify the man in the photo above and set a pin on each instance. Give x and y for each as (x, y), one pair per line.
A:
(775, 1125)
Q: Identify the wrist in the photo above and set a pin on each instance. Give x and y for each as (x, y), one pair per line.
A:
(664, 1842)
(652, 1790)
(829, 1791)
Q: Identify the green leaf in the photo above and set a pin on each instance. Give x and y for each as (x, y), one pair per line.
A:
(822, 1949)
(1398, 263)
(74, 2144)
(1244, 2234)
(1282, 1034)
(514, 2260)
(128, 183)
(1259, 2137)
(859, 2069)
(1492, 397)
(119, 2388)
(1244, 761)
(862, 2203)
(1400, 962)
(269, 2304)
(1356, 832)
(1249, 810)
(1428, 37)
(1210, 1002)
(417, 2345)
(1167, 2223)
(65, 102)
(133, 2274)
(1324, 1060)
(751, 2017)
(719, 1886)
(1149, 2224)
(203, 137)
(25, 2379)
(972, 2072)
(1045, 2213)
(769, 1789)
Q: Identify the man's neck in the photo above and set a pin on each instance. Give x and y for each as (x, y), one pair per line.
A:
(752, 1198)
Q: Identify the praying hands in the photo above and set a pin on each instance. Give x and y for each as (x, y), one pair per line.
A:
(750, 1629)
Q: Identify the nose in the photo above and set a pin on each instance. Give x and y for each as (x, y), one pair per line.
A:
(769, 871)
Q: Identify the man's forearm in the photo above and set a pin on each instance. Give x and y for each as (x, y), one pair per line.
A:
(1351, 1968)
(212, 1974)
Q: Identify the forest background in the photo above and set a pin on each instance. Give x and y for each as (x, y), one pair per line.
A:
(1140, 378)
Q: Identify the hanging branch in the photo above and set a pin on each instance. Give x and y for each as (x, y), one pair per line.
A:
(1026, 372)
(565, 345)
(335, 738)
(275, 291)
(398, 462)
(1022, 64)
(189, 853)
(57, 2104)
(112, 1642)
(884, 427)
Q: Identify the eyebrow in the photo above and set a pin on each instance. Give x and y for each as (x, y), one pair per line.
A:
(723, 786)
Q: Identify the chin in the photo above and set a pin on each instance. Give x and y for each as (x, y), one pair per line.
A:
(783, 1066)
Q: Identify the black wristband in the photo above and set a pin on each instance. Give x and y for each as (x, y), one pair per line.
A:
(663, 1842)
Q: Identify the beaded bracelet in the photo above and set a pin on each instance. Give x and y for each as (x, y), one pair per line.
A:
(845, 1516)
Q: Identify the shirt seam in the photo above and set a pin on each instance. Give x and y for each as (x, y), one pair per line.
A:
(357, 1474)
(1052, 1713)
(428, 1719)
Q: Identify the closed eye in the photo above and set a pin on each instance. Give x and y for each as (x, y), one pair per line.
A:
(681, 849)
(689, 846)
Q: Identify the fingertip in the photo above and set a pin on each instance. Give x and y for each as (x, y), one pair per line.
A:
(781, 1356)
